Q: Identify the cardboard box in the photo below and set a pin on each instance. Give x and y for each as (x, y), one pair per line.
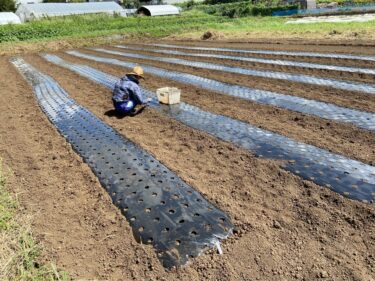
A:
(169, 95)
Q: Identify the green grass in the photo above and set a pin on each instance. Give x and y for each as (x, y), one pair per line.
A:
(348, 3)
(7, 206)
(278, 24)
(276, 28)
(244, 9)
(189, 23)
(19, 252)
(98, 25)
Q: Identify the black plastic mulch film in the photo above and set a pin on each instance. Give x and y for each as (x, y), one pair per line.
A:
(365, 120)
(270, 52)
(300, 78)
(258, 60)
(162, 209)
(343, 175)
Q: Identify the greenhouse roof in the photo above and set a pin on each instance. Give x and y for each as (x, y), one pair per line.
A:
(6, 18)
(62, 9)
(158, 10)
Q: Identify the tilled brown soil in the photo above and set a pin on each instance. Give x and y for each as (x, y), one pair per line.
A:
(73, 217)
(351, 99)
(286, 228)
(334, 136)
(292, 230)
(355, 49)
(341, 75)
(301, 45)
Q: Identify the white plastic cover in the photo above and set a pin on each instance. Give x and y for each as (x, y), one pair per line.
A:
(19, 2)
(35, 11)
(158, 10)
(6, 18)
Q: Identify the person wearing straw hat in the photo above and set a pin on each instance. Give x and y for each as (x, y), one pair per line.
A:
(127, 94)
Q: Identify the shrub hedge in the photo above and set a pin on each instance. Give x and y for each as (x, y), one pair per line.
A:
(243, 9)
(7, 5)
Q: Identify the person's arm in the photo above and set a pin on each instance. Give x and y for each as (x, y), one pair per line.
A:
(139, 96)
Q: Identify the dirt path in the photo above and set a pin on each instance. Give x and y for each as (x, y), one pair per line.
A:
(355, 100)
(286, 228)
(334, 136)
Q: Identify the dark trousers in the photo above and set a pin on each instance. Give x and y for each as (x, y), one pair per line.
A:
(125, 107)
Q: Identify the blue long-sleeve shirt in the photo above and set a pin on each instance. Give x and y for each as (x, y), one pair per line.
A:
(127, 89)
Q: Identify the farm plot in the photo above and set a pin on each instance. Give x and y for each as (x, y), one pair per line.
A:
(341, 97)
(330, 53)
(289, 65)
(285, 227)
(162, 209)
(297, 126)
(328, 111)
(307, 161)
(273, 52)
(306, 79)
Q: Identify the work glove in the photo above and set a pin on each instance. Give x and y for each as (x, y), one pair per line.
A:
(148, 100)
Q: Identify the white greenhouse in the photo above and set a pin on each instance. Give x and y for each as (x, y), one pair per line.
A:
(158, 10)
(27, 12)
(7, 18)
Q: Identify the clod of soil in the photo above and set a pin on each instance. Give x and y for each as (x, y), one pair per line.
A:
(208, 35)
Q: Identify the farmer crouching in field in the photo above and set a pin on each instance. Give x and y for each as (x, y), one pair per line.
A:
(127, 94)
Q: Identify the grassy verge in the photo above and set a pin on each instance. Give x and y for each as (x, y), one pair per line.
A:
(80, 31)
(99, 25)
(277, 28)
(18, 251)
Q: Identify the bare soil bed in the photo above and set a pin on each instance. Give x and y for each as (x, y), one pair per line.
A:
(286, 228)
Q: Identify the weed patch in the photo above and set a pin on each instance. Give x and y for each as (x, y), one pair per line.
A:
(19, 252)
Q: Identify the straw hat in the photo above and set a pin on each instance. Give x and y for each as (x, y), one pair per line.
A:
(138, 71)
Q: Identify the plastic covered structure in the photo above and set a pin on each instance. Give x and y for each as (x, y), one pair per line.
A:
(9, 18)
(158, 10)
(28, 12)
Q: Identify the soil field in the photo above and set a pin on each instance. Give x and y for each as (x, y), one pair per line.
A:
(360, 77)
(334, 136)
(285, 228)
(346, 47)
(351, 99)
(290, 46)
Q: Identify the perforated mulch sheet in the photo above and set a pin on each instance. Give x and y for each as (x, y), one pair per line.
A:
(344, 175)
(301, 78)
(362, 119)
(258, 60)
(162, 209)
(276, 53)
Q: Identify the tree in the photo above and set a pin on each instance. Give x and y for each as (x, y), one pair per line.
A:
(131, 4)
(7, 6)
